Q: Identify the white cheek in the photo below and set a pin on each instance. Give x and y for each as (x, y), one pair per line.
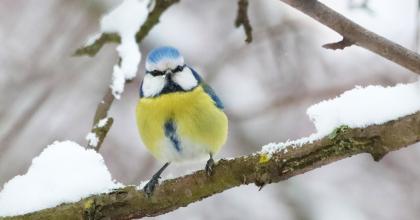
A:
(152, 85)
(185, 79)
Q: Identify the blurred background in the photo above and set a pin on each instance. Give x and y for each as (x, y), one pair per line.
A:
(47, 95)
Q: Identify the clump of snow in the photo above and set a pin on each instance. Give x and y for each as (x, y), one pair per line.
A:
(125, 20)
(361, 107)
(92, 139)
(118, 82)
(63, 172)
(102, 122)
(358, 108)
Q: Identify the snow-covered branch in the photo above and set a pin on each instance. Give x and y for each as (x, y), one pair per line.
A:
(98, 133)
(358, 35)
(153, 19)
(258, 168)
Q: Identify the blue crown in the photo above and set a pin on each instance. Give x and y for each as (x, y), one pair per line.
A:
(160, 53)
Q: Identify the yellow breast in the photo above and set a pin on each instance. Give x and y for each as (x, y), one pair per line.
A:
(200, 125)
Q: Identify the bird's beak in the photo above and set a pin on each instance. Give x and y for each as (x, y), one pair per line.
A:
(168, 74)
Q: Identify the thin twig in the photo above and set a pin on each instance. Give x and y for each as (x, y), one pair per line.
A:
(338, 45)
(243, 19)
(92, 50)
(152, 20)
(357, 34)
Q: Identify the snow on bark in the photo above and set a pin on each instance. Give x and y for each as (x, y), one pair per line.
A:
(358, 108)
(64, 172)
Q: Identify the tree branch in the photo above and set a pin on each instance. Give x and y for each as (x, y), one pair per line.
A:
(152, 20)
(257, 168)
(339, 45)
(357, 34)
(243, 19)
(91, 50)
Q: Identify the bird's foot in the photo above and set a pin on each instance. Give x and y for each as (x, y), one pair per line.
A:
(149, 188)
(210, 166)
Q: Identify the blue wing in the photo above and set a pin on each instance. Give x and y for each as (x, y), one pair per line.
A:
(213, 95)
(196, 75)
(208, 90)
(170, 132)
(141, 89)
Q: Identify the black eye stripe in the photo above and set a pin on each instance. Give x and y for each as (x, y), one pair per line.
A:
(160, 73)
(156, 73)
(178, 69)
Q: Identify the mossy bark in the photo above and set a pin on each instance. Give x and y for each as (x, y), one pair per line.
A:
(260, 169)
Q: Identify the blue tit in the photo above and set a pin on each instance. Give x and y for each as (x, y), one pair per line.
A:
(179, 117)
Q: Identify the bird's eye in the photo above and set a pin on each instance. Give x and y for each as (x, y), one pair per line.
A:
(178, 69)
(156, 73)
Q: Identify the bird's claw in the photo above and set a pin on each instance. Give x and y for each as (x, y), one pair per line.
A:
(209, 166)
(149, 188)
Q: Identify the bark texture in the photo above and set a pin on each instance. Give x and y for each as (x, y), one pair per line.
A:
(260, 169)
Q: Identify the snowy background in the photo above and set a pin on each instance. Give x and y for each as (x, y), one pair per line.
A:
(266, 86)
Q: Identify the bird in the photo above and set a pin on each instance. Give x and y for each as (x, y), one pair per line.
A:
(179, 117)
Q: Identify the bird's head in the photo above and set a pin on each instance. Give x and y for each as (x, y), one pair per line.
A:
(166, 72)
